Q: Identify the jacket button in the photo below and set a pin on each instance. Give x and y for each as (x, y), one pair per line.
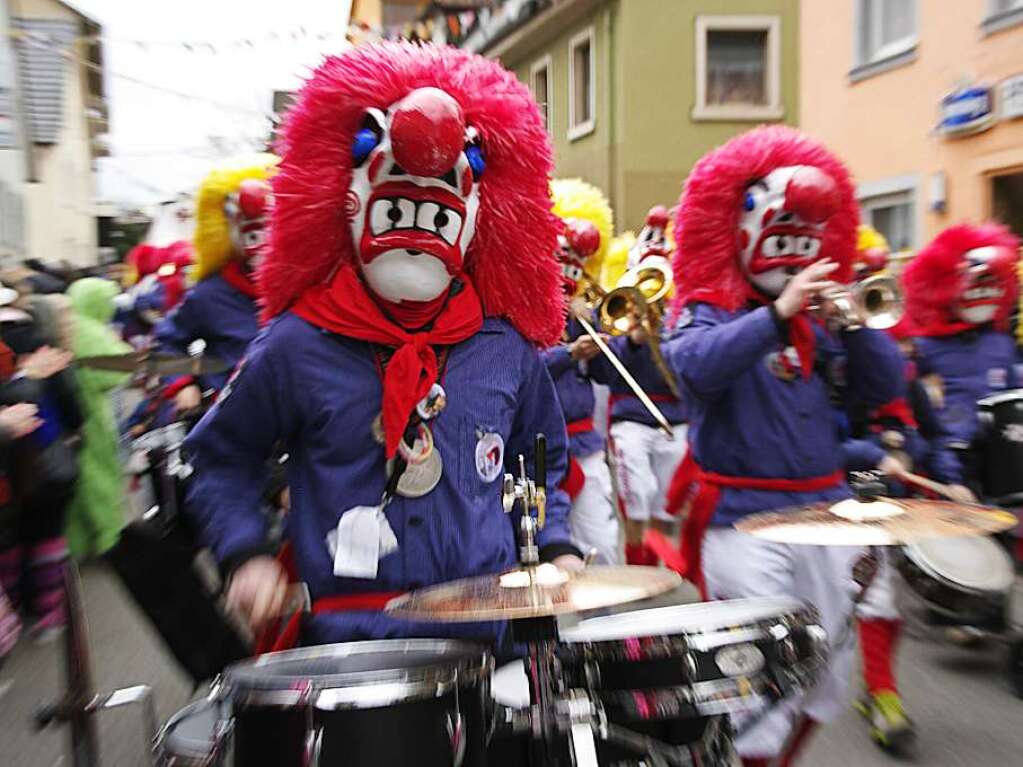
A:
(415, 521)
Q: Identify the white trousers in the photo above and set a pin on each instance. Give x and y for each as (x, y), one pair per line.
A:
(736, 565)
(645, 462)
(593, 518)
(879, 601)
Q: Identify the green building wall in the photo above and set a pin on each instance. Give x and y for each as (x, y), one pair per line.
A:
(645, 139)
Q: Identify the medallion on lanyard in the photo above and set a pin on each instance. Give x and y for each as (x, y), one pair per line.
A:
(423, 465)
(433, 403)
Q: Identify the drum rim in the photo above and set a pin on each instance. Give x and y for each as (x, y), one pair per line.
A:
(997, 399)
(805, 614)
(160, 742)
(471, 661)
(914, 553)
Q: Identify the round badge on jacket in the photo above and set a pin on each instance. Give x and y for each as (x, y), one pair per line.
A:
(490, 456)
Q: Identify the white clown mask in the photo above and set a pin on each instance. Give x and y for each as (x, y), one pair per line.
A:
(782, 222)
(982, 292)
(652, 239)
(247, 211)
(414, 195)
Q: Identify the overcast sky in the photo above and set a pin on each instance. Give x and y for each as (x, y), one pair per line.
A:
(163, 143)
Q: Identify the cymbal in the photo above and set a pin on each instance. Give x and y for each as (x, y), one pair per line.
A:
(156, 363)
(877, 522)
(532, 592)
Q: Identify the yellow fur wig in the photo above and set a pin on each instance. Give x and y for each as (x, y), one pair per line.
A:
(212, 238)
(868, 237)
(617, 257)
(574, 198)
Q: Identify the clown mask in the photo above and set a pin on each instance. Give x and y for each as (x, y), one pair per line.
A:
(983, 292)
(414, 195)
(781, 224)
(652, 240)
(247, 211)
(578, 242)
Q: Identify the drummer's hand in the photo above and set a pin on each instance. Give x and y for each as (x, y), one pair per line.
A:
(570, 563)
(583, 349)
(803, 287)
(257, 591)
(284, 499)
(891, 466)
(19, 420)
(961, 494)
(45, 362)
(188, 398)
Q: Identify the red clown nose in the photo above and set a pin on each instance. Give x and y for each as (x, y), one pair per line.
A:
(253, 198)
(583, 237)
(657, 217)
(812, 195)
(427, 132)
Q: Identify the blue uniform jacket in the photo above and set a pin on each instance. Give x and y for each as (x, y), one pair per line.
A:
(221, 315)
(319, 393)
(750, 417)
(624, 405)
(575, 393)
(971, 366)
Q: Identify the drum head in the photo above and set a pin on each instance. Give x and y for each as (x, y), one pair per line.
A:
(354, 664)
(192, 732)
(681, 619)
(971, 563)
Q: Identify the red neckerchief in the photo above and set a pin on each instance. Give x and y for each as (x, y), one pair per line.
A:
(235, 276)
(344, 306)
(898, 409)
(942, 328)
(7, 362)
(801, 335)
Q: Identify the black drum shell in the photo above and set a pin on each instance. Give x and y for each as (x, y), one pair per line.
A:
(959, 604)
(1001, 467)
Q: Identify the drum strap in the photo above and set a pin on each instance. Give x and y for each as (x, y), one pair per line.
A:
(702, 490)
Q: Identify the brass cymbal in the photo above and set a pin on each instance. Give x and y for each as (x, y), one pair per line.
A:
(156, 363)
(876, 522)
(532, 592)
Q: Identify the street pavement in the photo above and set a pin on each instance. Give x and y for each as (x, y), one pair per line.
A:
(960, 699)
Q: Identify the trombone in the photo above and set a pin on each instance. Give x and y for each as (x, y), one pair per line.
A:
(617, 311)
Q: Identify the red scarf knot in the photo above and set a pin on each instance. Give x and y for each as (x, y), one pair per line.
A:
(345, 307)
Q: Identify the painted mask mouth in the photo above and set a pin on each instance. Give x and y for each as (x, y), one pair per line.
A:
(418, 220)
(786, 247)
(983, 290)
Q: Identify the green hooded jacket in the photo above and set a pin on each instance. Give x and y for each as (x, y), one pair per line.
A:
(96, 514)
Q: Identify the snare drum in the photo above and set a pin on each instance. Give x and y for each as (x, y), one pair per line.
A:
(385, 703)
(967, 579)
(196, 736)
(1001, 469)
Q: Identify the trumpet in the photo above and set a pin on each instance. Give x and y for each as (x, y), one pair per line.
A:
(875, 302)
(637, 300)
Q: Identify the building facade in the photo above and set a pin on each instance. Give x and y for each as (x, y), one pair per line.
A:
(63, 114)
(924, 100)
(635, 91)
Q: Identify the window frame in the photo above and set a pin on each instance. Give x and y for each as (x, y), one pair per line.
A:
(886, 193)
(579, 130)
(771, 25)
(884, 58)
(996, 19)
(544, 62)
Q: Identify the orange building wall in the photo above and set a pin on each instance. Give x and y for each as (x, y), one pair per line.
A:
(884, 126)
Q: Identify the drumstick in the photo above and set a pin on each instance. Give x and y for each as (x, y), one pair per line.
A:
(928, 484)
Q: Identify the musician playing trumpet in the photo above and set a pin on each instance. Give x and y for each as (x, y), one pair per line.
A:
(645, 458)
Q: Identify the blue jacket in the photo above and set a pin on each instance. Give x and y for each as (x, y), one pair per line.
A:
(624, 405)
(971, 366)
(319, 393)
(222, 316)
(749, 419)
(575, 394)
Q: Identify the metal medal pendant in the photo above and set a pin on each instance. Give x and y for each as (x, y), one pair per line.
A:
(377, 429)
(418, 479)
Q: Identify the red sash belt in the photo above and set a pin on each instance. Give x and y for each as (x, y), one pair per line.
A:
(619, 396)
(708, 486)
(276, 638)
(581, 426)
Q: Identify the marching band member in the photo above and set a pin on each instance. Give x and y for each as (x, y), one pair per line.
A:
(645, 459)
(769, 220)
(231, 213)
(960, 290)
(411, 274)
(581, 249)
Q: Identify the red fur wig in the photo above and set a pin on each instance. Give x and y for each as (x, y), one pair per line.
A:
(511, 260)
(706, 224)
(934, 279)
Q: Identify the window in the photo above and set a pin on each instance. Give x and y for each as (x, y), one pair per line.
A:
(738, 68)
(582, 93)
(893, 215)
(1002, 14)
(885, 29)
(540, 83)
